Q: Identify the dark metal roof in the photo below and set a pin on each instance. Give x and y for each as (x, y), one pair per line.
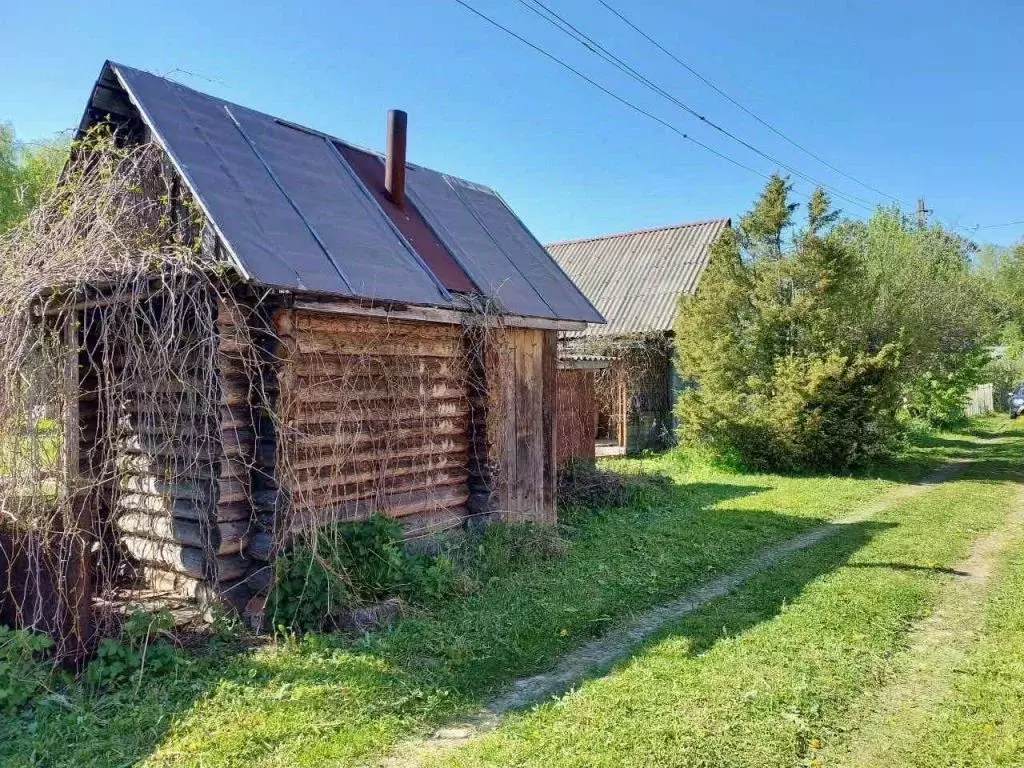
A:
(294, 214)
(635, 278)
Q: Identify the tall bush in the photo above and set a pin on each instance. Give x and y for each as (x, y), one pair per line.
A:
(790, 376)
(920, 289)
(1001, 272)
(27, 172)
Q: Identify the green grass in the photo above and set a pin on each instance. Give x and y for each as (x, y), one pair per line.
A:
(982, 722)
(765, 676)
(337, 701)
(979, 718)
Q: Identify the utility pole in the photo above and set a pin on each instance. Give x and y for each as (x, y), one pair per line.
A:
(922, 213)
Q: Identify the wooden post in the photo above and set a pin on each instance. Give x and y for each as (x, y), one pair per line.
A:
(77, 525)
(549, 396)
(623, 414)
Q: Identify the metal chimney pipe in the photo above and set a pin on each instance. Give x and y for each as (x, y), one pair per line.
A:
(394, 169)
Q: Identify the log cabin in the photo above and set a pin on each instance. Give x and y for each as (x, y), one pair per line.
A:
(387, 346)
(635, 280)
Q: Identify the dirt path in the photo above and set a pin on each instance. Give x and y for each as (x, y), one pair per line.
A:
(600, 654)
(923, 675)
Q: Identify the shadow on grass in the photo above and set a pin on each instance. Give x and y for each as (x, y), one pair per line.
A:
(352, 697)
(341, 698)
(927, 452)
(765, 594)
(909, 567)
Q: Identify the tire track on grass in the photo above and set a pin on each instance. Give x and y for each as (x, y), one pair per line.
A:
(937, 647)
(600, 654)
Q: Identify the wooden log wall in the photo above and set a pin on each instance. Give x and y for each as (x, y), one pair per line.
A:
(324, 418)
(185, 504)
(575, 416)
(374, 417)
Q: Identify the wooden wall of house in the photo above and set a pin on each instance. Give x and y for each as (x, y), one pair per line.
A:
(519, 370)
(183, 486)
(337, 418)
(374, 417)
(575, 416)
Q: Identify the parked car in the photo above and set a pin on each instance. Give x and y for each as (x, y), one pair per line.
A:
(1017, 402)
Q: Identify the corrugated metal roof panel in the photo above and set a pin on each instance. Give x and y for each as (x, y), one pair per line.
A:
(635, 278)
(584, 362)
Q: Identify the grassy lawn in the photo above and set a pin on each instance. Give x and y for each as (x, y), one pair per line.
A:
(982, 722)
(766, 675)
(761, 664)
(978, 720)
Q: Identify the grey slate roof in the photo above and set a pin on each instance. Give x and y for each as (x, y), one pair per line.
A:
(635, 278)
(293, 214)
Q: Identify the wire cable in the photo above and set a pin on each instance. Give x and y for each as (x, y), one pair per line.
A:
(999, 226)
(741, 106)
(552, 17)
(608, 92)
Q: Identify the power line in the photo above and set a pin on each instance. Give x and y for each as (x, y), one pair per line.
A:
(566, 27)
(998, 226)
(608, 92)
(742, 107)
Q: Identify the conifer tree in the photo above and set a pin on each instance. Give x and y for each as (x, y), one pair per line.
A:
(786, 370)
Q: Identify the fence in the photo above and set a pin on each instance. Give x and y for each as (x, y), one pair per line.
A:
(979, 402)
(575, 416)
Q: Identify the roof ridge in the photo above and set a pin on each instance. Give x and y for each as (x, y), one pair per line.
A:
(643, 230)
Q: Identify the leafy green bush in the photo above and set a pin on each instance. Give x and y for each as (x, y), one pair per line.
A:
(27, 172)
(1006, 374)
(348, 564)
(815, 346)
(142, 650)
(923, 293)
(22, 674)
(828, 413)
(938, 398)
(1006, 368)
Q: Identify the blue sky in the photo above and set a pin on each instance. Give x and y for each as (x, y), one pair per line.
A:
(914, 98)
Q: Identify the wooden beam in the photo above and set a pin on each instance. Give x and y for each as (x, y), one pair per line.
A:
(549, 401)
(436, 315)
(106, 301)
(78, 527)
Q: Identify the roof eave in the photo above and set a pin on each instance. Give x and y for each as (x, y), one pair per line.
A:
(429, 314)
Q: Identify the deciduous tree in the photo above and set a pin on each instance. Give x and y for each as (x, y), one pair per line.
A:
(26, 172)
